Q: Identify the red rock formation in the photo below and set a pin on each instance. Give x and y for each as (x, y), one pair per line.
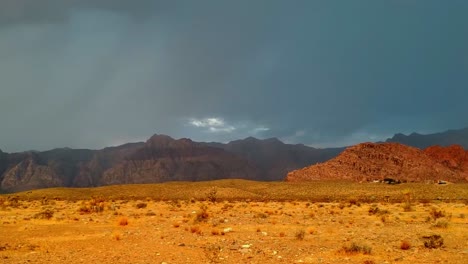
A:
(370, 161)
(454, 156)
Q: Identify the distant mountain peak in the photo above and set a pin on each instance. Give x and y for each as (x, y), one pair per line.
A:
(159, 141)
(447, 138)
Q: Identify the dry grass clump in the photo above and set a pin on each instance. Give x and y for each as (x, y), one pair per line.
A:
(140, 205)
(94, 205)
(117, 236)
(123, 221)
(407, 207)
(261, 215)
(195, 230)
(433, 241)
(46, 214)
(282, 234)
(375, 210)
(354, 201)
(356, 248)
(12, 202)
(300, 234)
(441, 223)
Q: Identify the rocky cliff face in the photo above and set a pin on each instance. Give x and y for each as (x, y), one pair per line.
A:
(372, 161)
(27, 172)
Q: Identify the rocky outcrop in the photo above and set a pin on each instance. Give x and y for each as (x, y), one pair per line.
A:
(374, 161)
(29, 173)
(453, 157)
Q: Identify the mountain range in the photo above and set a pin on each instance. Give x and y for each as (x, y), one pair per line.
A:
(447, 138)
(162, 158)
(159, 159)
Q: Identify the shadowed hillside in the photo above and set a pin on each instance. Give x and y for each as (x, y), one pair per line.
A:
(447, 138)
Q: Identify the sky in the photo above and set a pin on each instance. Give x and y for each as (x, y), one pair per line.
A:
(96, 73)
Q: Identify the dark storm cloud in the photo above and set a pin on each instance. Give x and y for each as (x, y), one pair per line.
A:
(93, 73)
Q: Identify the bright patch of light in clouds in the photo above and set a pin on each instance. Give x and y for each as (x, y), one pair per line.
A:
(259, 130)
(213, 124)
(235, 130)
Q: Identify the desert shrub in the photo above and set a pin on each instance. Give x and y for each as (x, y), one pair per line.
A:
(12, 202)
(436, 213)
(353, 201)
(94, 205)
(123, 221)
(405, 245)
(261, 215)
(117, 236)
(212, 253)
(202, 214)
(150, 213)
(356, 248)
(375, 210)
(433, 241)
(300, 234)
(212, 195)
(140, 205)
(195, 229)
(383, 218)
(46, 214)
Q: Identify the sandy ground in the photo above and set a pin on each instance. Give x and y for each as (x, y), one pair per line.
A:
(230, 232)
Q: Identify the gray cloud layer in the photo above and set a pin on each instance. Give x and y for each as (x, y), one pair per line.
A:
(325, 73)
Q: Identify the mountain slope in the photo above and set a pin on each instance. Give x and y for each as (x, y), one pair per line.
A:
(447, 138)
(160, 159)
(371, 161)
(165, 159)
(274, 158)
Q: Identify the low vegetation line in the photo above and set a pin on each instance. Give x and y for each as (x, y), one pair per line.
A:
(241, 190)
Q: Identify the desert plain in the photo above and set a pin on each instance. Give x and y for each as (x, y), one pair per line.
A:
(237, 221)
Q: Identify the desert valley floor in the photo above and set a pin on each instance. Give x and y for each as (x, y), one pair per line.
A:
(236, 221)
